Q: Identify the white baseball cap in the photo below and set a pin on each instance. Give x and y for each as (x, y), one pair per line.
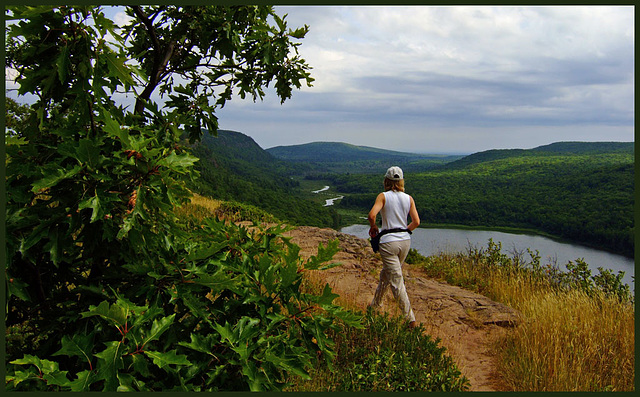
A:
(394, 173)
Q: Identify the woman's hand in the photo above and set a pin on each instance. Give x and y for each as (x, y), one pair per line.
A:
(373, 231)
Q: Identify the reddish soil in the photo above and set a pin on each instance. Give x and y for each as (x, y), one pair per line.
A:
(468, 324)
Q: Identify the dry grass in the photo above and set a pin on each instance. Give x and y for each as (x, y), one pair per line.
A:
(571, 342)
(568, 341)
(202, 207)
(199, 208)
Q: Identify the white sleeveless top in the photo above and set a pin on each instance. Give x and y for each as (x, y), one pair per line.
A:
(394, 215)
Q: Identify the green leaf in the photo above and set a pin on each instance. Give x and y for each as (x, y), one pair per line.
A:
(83, 381)
(350, 318)
(109, 364)
(10, 140)
(88, 153)
(95, 205)
(178, 162)
(226, 332)
(77, 345)
(54, 178)
(144, 314)
(57, 378)
(200, 252)
(299, 33)
(18, 377)
(118, 69)
(200, 343)
(63, 62)
(197, 307)
(113, 128)
(38, 233)
(114, 313)
(54, 246)
(289, 274)
(130, 383)
(292, 365)
(162, 360)
(140, 365)
(219, 281)
(255, 377)
(324, 254)
(158, 327)
(17, 288)
(43, 365)
(327, 296)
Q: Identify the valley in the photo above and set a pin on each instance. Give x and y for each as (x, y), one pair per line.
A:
(581, 192)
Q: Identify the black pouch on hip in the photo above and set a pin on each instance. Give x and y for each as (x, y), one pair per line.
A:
(375, 241)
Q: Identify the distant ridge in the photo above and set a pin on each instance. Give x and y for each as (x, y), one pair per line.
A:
(586, 147)
(551, 149)
(341, 152)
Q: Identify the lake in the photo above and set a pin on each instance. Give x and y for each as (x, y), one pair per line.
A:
(429, 242)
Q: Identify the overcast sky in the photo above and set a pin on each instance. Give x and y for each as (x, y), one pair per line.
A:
(453, 79)
(459, 79)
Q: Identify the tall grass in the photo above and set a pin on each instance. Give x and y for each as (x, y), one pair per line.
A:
(571, 341)
(201, 207)
(577, 331)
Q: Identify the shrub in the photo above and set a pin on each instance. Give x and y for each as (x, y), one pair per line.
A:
(226, 314)
(387, 355)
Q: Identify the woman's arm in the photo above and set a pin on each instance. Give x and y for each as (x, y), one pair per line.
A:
(415, 218)
(377, 206)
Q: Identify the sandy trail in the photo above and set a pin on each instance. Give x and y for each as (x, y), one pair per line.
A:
(468, 324)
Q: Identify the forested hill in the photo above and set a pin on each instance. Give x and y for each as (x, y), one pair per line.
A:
(583, 192)
(339, 157)
(554, 149)
(238, 153)
(342, 152)
(234, 167)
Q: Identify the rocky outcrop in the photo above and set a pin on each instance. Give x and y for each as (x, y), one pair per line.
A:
(468, 324)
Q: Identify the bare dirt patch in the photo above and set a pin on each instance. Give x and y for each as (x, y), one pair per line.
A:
(468, 324)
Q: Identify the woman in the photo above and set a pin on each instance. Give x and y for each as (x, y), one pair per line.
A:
(394, 205)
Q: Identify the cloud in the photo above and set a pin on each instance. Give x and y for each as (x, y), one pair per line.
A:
(444, 78)
(473, 69)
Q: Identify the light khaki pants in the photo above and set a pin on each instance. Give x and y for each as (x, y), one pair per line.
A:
(393, 255)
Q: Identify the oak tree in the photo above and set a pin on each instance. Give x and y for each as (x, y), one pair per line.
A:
(99, 267)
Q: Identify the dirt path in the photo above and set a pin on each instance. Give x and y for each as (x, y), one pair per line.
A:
(467, 323)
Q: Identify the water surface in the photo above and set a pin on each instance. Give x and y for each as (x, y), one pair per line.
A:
(429, 241)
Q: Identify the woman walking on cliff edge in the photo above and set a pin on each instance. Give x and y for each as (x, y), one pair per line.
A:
(394, 205)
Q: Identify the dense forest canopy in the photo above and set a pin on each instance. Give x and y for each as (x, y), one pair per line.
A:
(578, 191)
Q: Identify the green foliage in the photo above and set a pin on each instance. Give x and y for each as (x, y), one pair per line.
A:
(16, 117)
(226, 314)
(414, 257)
(118, 293)
(219, 50)
(88, 186)
(386, 355)
(579, 276)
